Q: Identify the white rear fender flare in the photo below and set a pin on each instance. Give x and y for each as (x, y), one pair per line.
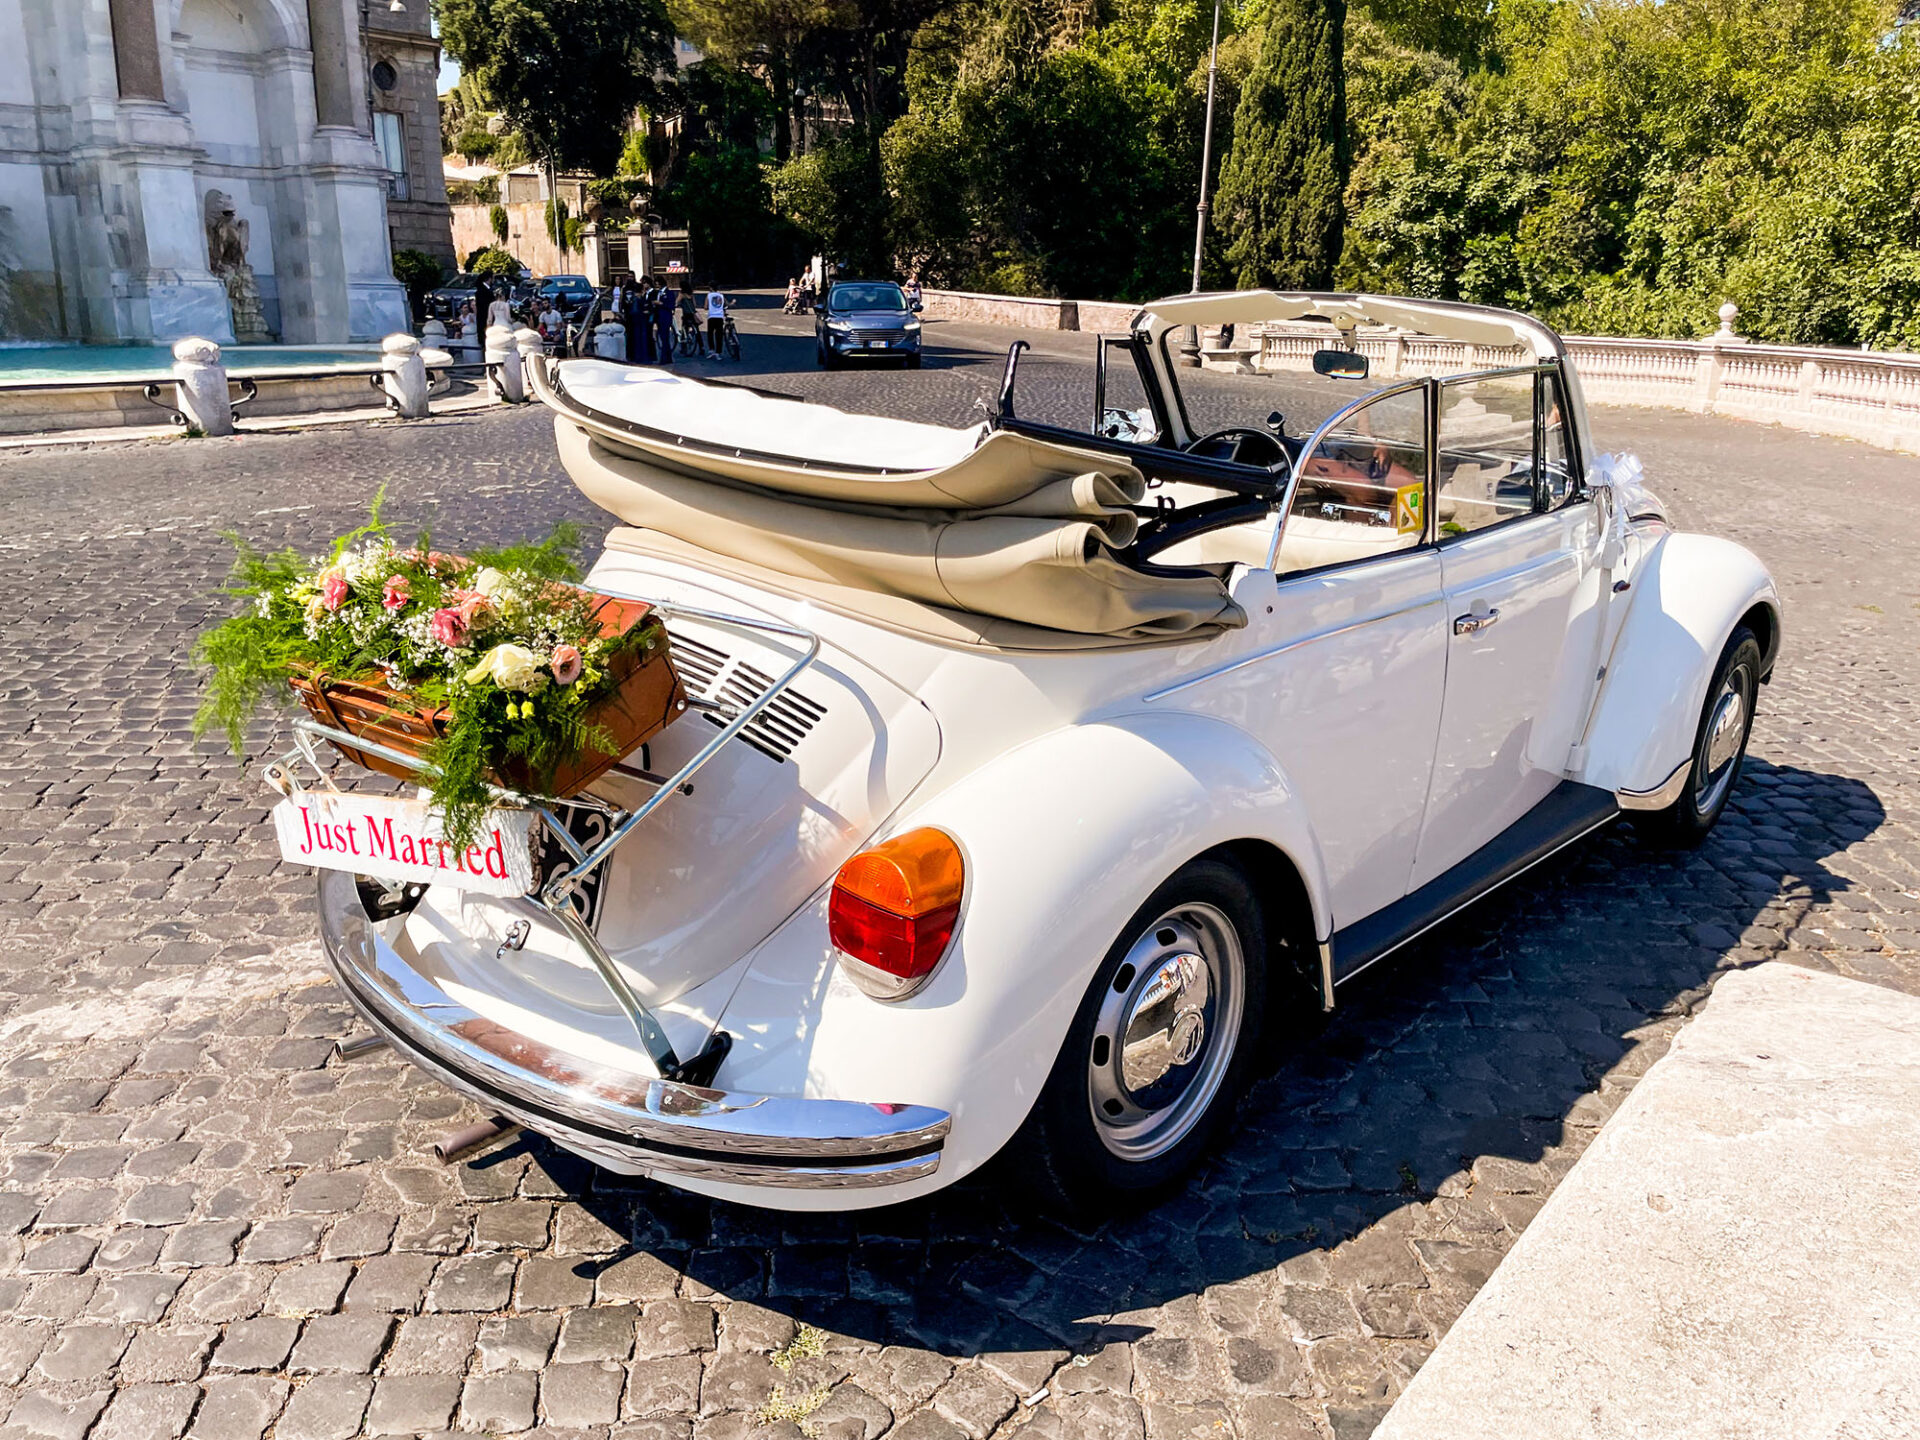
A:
(1687, 597)
(1063, 839)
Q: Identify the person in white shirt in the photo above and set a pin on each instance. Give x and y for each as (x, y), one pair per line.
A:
(500, 313)
(716, 320)
(553, 324)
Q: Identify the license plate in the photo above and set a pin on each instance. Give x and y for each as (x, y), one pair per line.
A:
(397, 839)
(588, 828)
(880, 344)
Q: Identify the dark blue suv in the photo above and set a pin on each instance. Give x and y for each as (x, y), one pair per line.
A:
(866, 317)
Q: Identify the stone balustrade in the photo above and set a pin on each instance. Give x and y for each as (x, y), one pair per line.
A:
(1873, 396)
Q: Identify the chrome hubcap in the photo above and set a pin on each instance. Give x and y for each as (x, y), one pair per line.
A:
(1725, 738)
(1165, 1035)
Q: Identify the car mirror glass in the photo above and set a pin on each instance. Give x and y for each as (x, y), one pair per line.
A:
(1340, 364)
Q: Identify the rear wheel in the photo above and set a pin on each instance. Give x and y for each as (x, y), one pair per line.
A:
(1720, 744)
(1161, 1049)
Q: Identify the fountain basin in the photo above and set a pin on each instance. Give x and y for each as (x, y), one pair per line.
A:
(52, 388)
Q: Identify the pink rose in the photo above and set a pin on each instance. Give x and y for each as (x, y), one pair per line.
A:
(398, 592)
(566, 664)
(333, 588)
(449, 627)
(475, 608)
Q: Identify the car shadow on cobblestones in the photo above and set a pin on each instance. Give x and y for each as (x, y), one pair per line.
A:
(1383, 1166)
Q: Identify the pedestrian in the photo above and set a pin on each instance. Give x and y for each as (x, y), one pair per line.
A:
(663, 322)
(553, 324)
(639, 323)
(500, 312)
(716, 320)
(687, 322)
(913, 292)
(482, 299)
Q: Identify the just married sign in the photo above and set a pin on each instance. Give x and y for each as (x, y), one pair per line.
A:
(397, 839)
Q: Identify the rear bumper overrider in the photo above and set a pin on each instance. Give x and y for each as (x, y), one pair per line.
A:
(626, 1120)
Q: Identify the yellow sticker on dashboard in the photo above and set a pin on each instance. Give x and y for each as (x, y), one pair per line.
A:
(1409, 509)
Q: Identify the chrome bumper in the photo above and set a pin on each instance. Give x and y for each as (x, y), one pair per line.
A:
(629, 1121)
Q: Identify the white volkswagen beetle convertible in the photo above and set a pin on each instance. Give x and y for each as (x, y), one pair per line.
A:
(1031, 770)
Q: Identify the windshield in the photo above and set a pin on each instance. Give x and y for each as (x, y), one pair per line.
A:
(1223, 396)
(867, 297)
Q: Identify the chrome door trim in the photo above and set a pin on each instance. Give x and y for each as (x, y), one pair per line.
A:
(1254, 659)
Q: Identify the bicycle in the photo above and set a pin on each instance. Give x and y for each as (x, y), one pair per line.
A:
(730, 337)
(688, 344)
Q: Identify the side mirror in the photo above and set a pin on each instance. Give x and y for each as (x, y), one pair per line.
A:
(915, 306)
(1340, 364)
(819, 309)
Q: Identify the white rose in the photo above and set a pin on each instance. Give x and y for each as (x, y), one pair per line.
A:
(511, 667)
(492, 584)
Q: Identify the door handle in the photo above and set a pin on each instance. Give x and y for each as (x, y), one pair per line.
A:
(1475, 620)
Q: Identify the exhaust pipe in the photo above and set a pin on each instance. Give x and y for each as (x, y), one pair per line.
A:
(458, 1144)
(354, 1049)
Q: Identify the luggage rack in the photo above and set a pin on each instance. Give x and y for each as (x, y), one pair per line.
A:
(556, 897)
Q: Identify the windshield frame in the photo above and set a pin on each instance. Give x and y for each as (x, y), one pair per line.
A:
(833, 302)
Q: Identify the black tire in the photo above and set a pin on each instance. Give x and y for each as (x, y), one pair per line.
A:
(913, 361)
(1719, 745)
(1098, 1138)
(828, 360)
(733, 346)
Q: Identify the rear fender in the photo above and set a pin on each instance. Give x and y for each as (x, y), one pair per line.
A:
(1687, 597)
(1063, 839)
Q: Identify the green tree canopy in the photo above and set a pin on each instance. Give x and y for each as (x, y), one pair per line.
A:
(567, 74)
(1282, 189)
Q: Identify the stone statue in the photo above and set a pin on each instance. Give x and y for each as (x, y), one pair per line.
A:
(227, 234)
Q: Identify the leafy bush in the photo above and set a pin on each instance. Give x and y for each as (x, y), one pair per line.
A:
(497, 218)
(419, 272)
(491, 260)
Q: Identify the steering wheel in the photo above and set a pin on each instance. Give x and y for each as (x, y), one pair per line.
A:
(1240, 435)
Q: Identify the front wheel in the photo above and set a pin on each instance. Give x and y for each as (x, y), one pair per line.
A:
(733, 345)
(1161, 1049)
(913, 361)
(1719, 746)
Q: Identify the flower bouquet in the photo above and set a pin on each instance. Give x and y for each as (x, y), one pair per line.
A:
(491, 668)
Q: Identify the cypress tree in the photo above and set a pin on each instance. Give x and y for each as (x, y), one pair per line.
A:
(1282, 189)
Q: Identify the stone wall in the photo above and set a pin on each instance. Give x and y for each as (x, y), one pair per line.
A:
(1106, 317)
(527, 239)
(419, 220)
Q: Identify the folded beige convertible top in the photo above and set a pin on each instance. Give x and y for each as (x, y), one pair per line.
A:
(974, 520)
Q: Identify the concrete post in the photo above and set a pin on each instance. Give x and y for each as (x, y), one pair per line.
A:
(405, 380)
(434, 333)
(610, 340)
(507, 382)
(532, 348)
(439, 377)
(200, 387)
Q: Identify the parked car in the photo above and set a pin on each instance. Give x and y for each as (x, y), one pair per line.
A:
(1010, 809)
(569, 291)
(866, 317)
(448, 300)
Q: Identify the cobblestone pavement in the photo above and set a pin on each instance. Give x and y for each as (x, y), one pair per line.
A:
(215, 1229)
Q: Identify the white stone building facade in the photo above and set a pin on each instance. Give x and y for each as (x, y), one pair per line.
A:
(118, 121)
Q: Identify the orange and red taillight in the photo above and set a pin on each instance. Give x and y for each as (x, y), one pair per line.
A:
(893, 911)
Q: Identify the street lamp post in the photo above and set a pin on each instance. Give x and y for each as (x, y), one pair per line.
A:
(1190, 352)
(1206, 147)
